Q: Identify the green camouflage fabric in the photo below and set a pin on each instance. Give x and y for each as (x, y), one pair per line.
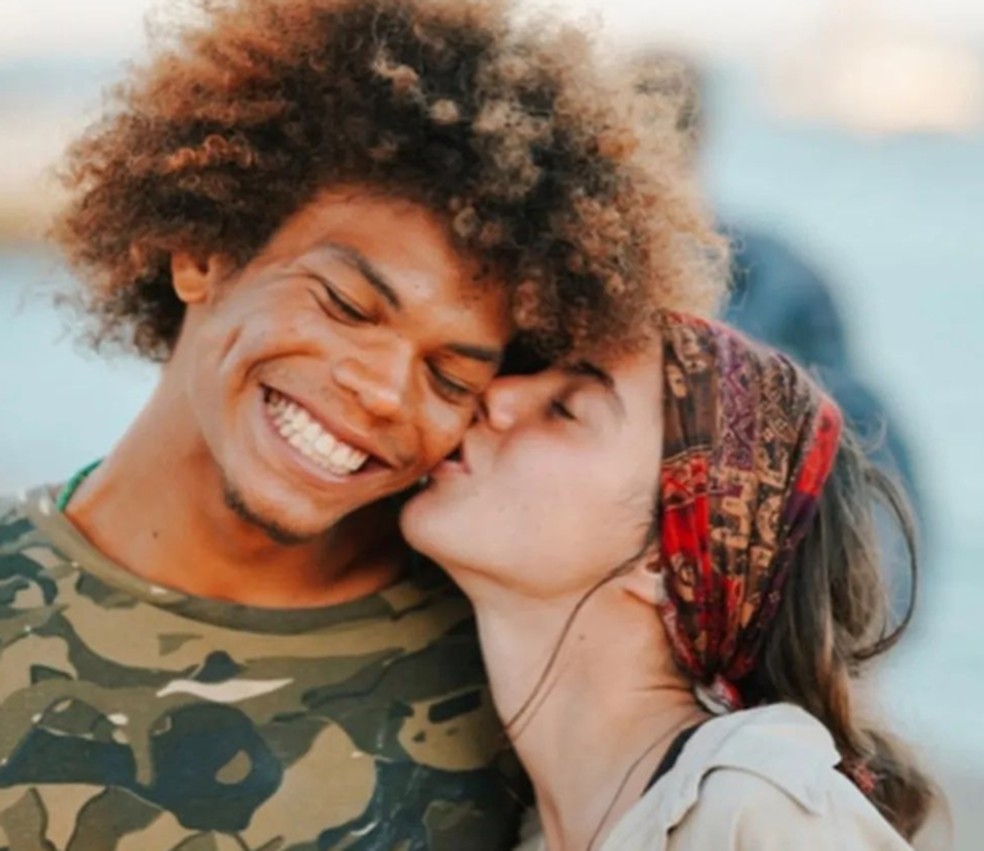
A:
(136, 718)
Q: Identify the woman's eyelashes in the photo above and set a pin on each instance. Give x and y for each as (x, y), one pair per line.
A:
(559, 409)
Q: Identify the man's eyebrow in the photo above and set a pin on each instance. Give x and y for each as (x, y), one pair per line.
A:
(596, 373)
(356, 259)
(361, 264)
(485, 354)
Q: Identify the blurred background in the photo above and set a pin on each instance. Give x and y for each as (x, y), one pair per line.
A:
(842, 144)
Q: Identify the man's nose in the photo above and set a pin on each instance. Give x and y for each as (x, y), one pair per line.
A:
(379, 379)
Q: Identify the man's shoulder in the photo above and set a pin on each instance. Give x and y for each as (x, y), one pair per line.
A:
(10, 501)
(28, 508)
(15, 520)
(380, 715)
(29, 556)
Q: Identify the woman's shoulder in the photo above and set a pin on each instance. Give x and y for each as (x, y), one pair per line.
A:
(756, 780)
(740, 810)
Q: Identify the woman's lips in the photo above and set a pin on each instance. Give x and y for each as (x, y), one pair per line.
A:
(455, 463)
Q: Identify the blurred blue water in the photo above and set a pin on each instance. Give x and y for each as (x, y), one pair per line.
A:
(896, 227)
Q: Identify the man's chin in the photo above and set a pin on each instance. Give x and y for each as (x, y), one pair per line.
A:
(277, 531)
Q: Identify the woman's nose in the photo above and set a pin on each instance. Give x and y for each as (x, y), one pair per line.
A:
(508, 400)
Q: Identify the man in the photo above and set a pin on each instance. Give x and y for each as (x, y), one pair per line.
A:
(326, 218)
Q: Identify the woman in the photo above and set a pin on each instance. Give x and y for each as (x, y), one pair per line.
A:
(708, 481)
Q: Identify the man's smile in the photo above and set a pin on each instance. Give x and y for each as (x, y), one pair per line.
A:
(310, 436)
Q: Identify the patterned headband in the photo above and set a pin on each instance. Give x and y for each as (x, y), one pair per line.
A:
(750, 441)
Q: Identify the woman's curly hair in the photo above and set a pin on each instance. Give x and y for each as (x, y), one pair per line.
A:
(242, 116)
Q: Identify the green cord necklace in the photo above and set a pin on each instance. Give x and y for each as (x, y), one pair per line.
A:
(73, 483)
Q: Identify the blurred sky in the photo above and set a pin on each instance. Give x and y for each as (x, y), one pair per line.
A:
(29, 28)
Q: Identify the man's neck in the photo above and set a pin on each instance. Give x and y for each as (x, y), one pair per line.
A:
(162, 514)
(603, 719)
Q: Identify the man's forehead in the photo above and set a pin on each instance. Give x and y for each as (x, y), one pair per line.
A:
(415, 268)
(386, 229)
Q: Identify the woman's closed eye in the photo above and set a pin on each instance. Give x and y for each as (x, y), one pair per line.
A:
(559, 409)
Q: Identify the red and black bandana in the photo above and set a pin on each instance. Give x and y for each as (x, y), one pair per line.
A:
(750, 441)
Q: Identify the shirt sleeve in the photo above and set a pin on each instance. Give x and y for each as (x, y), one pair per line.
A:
(739, 811)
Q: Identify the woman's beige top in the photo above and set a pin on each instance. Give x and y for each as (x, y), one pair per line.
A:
(759, 780)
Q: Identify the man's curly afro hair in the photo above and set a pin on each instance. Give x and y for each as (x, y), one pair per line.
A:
(242, 116)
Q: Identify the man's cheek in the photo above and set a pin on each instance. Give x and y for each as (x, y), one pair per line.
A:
(437, 450)
(444, 432)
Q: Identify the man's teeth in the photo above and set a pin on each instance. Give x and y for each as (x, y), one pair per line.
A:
(306, 435)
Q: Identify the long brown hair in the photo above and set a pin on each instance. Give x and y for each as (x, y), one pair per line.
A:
(834, 616)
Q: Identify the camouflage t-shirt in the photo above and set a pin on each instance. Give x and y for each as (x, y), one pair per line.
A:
(136, 718)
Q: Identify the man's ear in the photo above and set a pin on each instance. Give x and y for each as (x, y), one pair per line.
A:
(196, 279)
(645, 580)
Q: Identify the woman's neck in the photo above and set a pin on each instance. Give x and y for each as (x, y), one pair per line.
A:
(599, 723)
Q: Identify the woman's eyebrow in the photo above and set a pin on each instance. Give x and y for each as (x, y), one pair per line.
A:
(590, 370)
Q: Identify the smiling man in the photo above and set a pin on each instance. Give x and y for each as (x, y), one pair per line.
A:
(326, 219)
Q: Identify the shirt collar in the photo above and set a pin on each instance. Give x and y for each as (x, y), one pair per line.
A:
(782, 744)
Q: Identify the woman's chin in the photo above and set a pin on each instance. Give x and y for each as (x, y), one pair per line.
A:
(424, 524)
(437, 531)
